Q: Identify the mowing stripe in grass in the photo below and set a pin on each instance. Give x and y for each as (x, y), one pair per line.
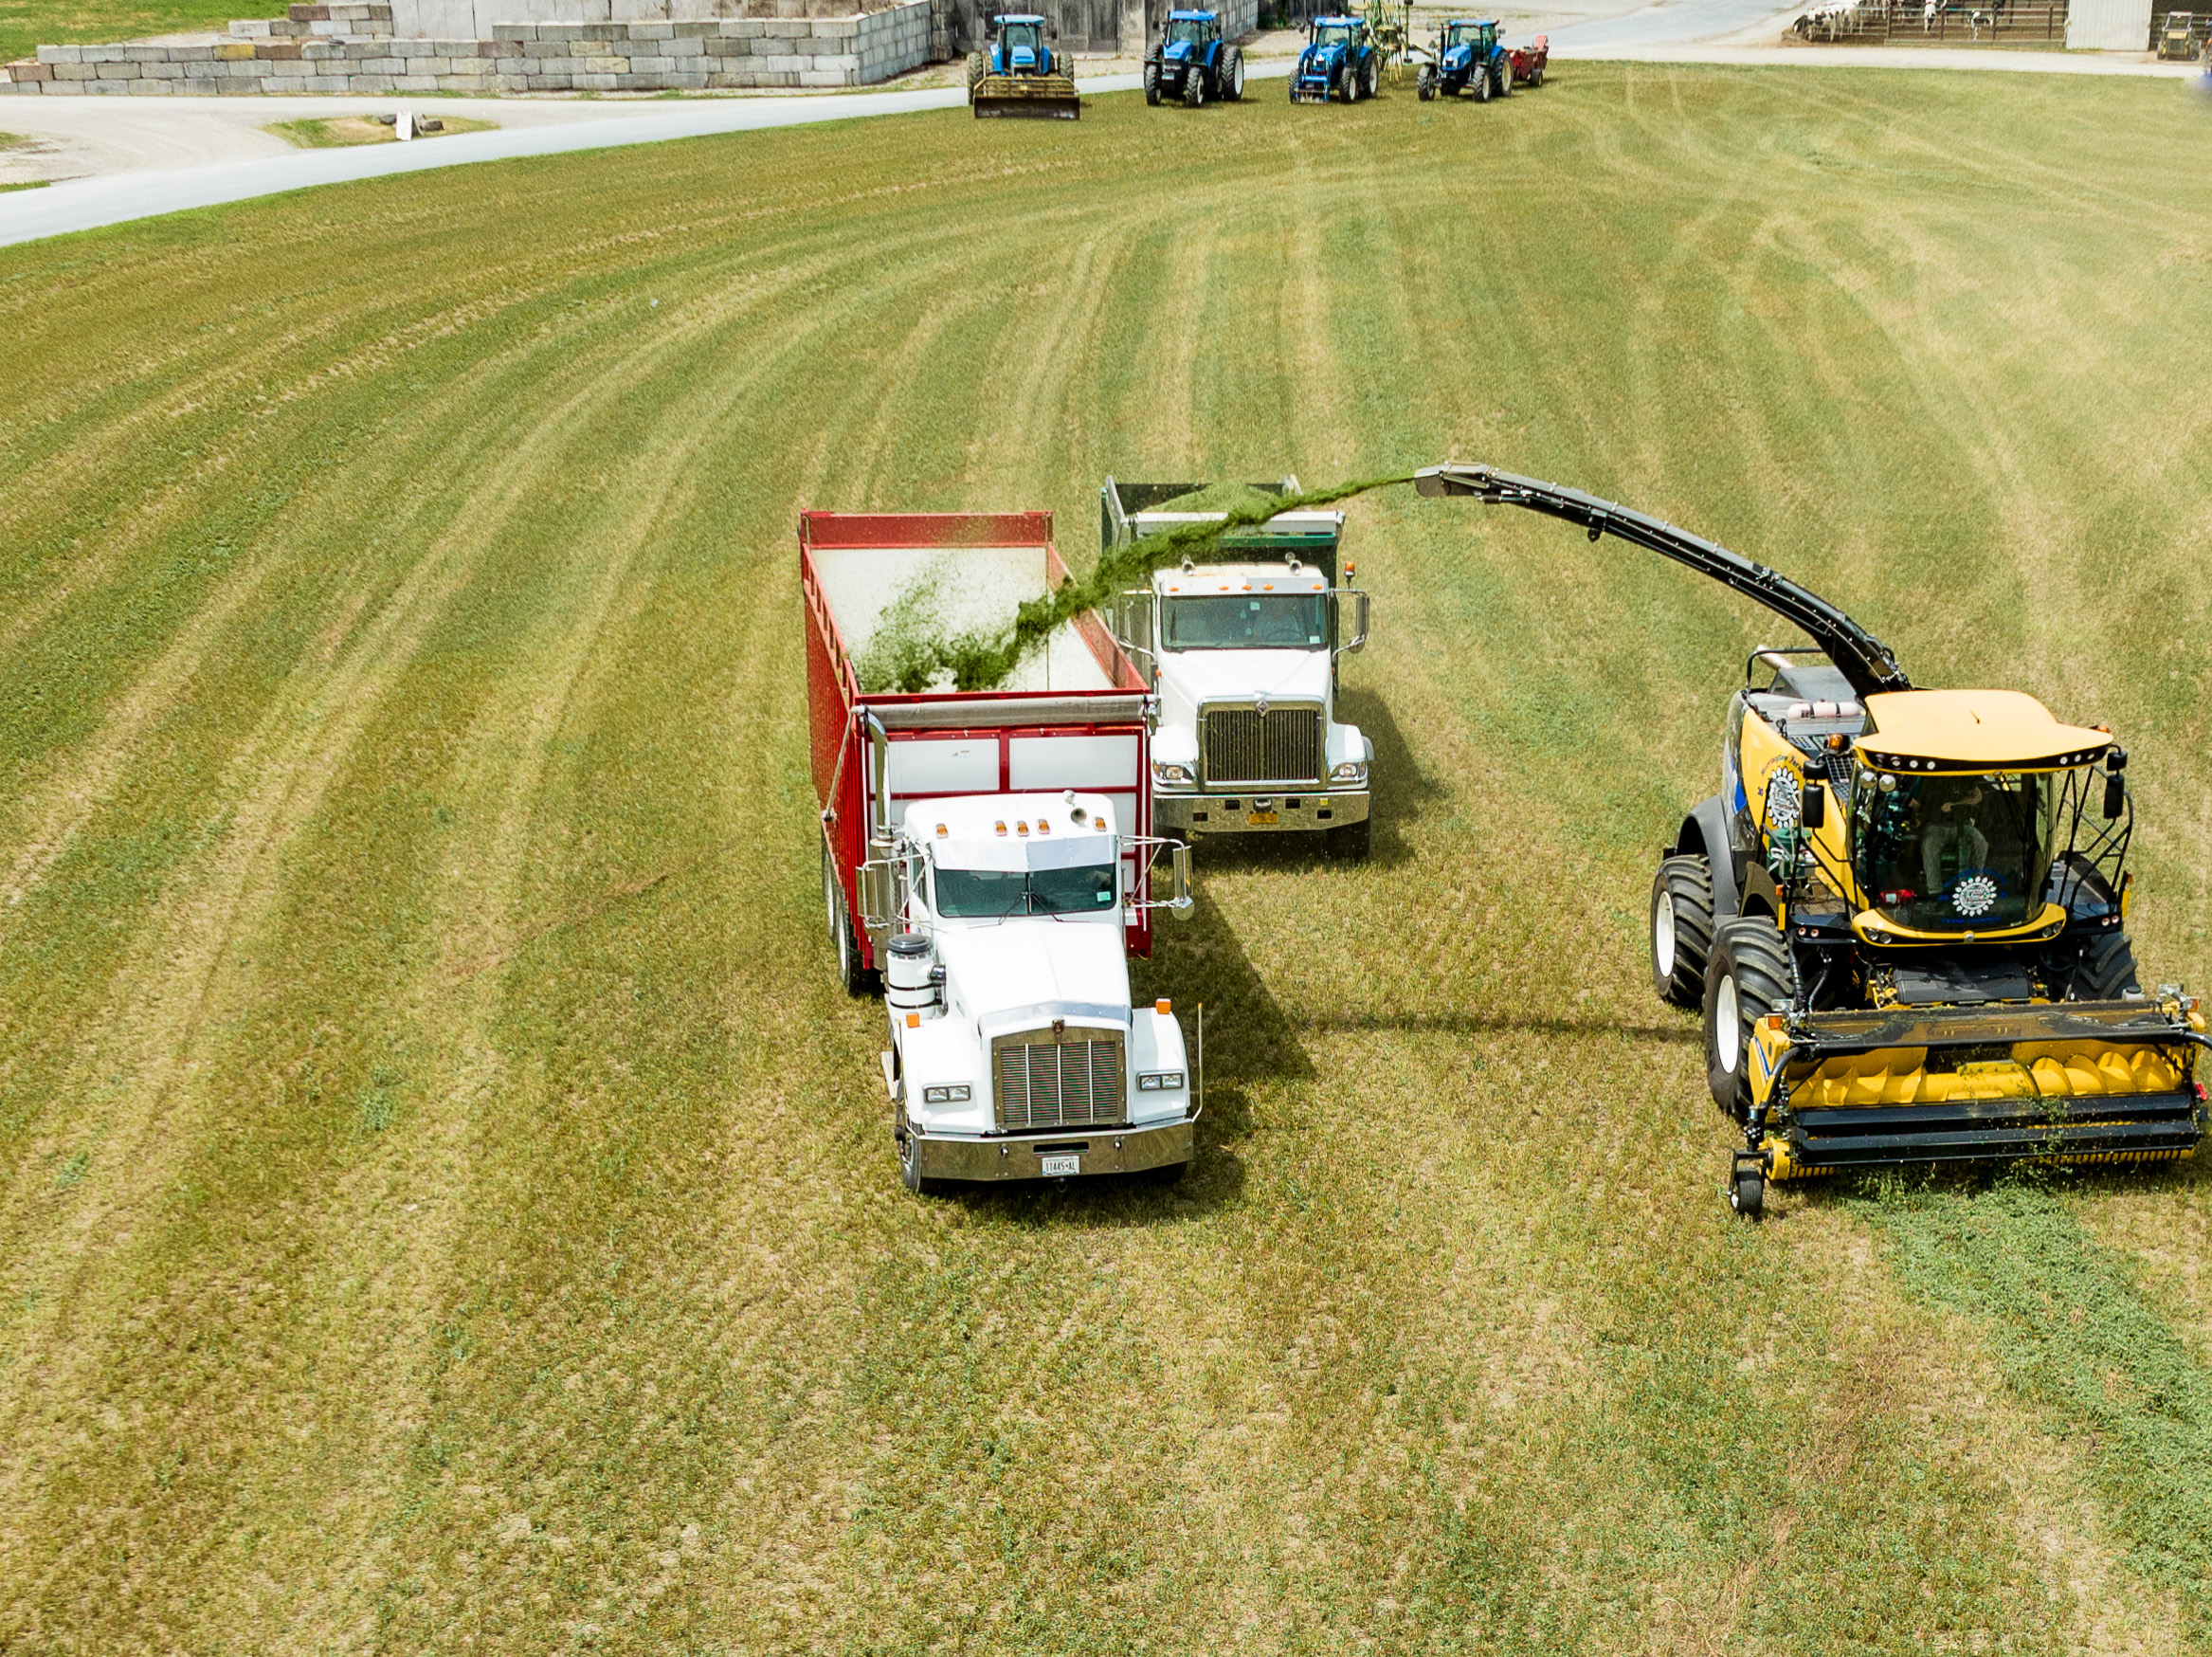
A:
(2080, 1339)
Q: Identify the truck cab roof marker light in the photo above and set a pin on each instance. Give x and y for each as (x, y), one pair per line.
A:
(1163, 1005)
(1021, 828)
(941, 831)
(1002, 828)
(1043, 826)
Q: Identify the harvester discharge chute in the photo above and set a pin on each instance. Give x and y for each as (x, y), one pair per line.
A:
(1020, 74)
(1904, 914)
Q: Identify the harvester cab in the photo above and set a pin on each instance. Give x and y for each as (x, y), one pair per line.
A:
(1020, 72)
(1190, 60)
(1904, 914)
(1339, 60)
(1468, 58)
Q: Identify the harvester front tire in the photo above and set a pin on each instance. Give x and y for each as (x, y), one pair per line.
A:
(2107, 972)
(1682, 929)
(1348, 842)
(1747, 972)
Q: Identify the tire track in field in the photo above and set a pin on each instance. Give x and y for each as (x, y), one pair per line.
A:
(403, 1256)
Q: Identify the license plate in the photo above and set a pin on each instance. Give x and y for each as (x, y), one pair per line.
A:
(1259, 818)
(1054, 1166)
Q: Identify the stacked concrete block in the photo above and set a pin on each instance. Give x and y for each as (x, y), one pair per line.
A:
(362, 55)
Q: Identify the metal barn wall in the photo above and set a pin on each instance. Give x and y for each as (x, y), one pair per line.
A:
(2108, 26)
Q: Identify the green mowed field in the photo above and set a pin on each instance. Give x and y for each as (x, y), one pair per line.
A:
(448, 1205)
(26, 24)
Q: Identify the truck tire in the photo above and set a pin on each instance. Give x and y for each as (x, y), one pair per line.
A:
(856, 979)
(1348, 842)
(1682, 929)
(910, 1172)
(2106, 970)
(1232, 88)
(1153, 84)
(1747, 972)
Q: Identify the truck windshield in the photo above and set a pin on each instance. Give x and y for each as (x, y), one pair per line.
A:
(1957, 853)
(979, 894)
(1248, 621)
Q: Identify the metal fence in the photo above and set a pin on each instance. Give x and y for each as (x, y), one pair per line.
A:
(1902, 22)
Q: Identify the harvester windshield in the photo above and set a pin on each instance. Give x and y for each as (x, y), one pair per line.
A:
(1957, 853)
(982, 893)
(1248, 621)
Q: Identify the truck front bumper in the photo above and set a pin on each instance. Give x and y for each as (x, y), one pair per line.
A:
(1097, 1151)
(1270, 811)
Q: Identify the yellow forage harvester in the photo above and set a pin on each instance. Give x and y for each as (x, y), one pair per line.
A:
(1904, 914)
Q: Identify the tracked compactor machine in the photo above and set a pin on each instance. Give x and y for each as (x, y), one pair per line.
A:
(1905, 913)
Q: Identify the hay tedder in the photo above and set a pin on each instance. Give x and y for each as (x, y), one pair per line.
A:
(1904, 914)
(1019, 73)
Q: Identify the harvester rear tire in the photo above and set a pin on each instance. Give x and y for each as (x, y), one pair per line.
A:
(1682, 929)
(1350, 842)
(1747, 972)
(2107, 970)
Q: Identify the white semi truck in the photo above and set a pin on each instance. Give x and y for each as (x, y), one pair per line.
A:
(986, 859)
(1241, 643)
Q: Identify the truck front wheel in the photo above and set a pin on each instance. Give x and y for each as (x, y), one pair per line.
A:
(1348, 842)
(910, 1173)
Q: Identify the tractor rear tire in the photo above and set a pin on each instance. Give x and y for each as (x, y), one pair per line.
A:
(1747, 972)
(1372, 81)
(1682, 929)
(1153, 84)
(1348, 842)
(1232, 86)
(1505, 76)
(2107, 970)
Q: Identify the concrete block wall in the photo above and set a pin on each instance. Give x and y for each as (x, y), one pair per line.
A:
(632, 56)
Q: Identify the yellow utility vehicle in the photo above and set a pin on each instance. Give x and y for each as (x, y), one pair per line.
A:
(1904, 915)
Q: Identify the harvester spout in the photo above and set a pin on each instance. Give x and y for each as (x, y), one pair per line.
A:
(1863, 659)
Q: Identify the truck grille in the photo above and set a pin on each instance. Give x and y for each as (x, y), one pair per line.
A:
(1243, 745)
(1048, 1084)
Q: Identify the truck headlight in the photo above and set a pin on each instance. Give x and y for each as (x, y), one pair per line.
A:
(956, 1094)
(1352, 774)
(1171, 773)
(1159, 1080)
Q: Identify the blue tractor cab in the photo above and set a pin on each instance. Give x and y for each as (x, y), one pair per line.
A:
(1339, 61)
(1190, 60)
(1468, 58)
(1020, 72)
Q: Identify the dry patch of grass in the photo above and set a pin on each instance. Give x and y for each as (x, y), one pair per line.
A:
(445, 1202)
(342, 132)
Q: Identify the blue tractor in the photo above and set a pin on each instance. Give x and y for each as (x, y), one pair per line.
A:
(1021, 73)
(1190, 60)
(1339, 61)
(1468, 58)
